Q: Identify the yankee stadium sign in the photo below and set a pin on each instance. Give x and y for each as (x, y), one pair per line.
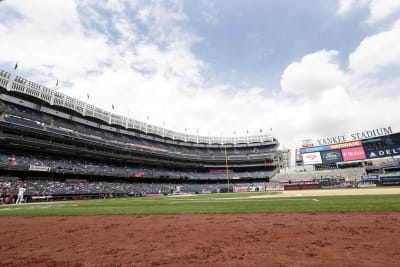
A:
(354, 136)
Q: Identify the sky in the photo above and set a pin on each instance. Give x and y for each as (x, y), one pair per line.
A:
(296, 69)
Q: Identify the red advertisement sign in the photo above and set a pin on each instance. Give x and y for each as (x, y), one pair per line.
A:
(353, 153)
(345, 145)
(137, 175)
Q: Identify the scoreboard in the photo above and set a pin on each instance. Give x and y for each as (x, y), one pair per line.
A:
(378, 147)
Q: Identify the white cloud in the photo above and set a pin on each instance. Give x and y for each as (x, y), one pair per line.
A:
(333, 101)
(51, 43)
(314, 74)
(344, 6)
(377, 52)
(162, 18)
(209, 12)
(379, 10)
(117, 5)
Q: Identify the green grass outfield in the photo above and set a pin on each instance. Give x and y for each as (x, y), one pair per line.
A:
(237, 203)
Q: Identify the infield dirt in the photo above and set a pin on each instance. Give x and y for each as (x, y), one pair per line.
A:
(327, 239)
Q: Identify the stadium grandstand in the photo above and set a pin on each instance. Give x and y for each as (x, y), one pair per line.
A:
(50, 140)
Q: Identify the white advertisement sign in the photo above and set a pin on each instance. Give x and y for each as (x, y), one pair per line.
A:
(312, 158)
(39, 168)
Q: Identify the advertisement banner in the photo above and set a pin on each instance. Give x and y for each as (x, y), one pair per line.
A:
(353, 153)
(312, 158)
(371, 154)
(241, 189)
(313, 149)
(370, 177)
(308, 143)
(274, 187)
(395, 174)
(137, 175)
(331, 156)
(345, 145)
(39, 168)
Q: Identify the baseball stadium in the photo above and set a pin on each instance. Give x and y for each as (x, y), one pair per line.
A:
(101, 189)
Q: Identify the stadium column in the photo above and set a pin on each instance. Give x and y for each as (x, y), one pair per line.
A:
(84, 109)
(9, 84)
(52, 97)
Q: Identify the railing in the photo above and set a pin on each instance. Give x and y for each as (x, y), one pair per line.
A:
(18, 84)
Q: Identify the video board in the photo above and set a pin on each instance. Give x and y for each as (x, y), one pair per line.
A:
(385, 146)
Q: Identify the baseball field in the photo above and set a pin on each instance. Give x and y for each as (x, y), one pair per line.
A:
(347, 227)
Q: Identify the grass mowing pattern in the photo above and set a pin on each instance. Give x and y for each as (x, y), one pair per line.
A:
(208, 204)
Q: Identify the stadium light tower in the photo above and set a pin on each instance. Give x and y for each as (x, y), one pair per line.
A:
(227, 168)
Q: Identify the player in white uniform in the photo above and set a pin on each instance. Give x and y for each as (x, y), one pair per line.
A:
(21, 192)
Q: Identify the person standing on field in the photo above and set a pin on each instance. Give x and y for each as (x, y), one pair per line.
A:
(21, 192)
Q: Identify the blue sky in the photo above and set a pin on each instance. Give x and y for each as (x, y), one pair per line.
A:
(307, 69)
